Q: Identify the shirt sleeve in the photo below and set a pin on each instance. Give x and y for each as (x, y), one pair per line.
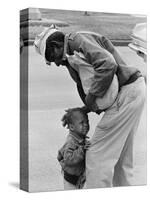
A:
(110, 47)
(76, 78)
(81, 92)
(102, 61)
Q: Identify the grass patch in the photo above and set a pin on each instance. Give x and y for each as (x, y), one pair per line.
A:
(114, 26)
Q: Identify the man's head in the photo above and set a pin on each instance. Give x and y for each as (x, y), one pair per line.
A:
(76, 121)
(50, 44)
(55, 48)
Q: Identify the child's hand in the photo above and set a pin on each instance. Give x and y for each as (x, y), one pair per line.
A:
(87, 144)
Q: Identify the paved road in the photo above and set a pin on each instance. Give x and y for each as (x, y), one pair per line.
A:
(50, 92)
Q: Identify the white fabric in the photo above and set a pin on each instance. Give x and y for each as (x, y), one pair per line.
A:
(86, 73)
(40, 40)
(110, 159)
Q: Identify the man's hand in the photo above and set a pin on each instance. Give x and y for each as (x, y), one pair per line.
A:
(85, 109)
(91, 104)
(90, 101)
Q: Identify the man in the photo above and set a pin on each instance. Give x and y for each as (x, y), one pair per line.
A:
(109, 160)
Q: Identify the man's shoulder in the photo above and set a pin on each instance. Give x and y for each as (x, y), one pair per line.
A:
(74, 35)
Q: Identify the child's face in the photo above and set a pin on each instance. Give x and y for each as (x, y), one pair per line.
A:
(80, 123)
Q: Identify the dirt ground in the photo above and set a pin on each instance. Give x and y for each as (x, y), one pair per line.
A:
(51, 91)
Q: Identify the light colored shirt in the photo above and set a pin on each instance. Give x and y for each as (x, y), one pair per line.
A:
(86, 74)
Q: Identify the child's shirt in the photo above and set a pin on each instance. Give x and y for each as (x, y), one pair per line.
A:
(72, 155)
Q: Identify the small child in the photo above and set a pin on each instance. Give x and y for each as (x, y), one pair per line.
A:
(72, 155)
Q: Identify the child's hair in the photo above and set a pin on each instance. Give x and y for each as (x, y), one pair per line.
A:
(68, 117)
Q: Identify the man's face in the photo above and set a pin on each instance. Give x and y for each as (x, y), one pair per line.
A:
(58, 55)
(80, 123)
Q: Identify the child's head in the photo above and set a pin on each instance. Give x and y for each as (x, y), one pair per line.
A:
(77, 121)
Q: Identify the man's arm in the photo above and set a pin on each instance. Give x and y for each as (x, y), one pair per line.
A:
(102, 61)
(81, 92)
(76, 78)
(110, 47)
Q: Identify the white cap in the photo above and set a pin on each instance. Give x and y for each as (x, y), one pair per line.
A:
(40, 40)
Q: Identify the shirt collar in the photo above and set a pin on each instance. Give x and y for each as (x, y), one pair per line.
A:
(65, 47)
(77, 137)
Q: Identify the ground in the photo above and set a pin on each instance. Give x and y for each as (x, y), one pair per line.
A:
(51, 91)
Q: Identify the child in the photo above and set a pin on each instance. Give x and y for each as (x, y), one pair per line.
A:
(72, 155)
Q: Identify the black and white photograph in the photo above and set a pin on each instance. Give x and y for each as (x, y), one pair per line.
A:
(83, 107)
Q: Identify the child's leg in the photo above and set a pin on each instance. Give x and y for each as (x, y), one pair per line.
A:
(69, 186)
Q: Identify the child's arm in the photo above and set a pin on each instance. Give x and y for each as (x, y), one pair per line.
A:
(74, 155)
(59, 156)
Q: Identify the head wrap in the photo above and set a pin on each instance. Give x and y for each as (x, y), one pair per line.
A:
(40, 40)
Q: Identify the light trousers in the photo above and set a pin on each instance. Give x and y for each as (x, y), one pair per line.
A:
(110, 159)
